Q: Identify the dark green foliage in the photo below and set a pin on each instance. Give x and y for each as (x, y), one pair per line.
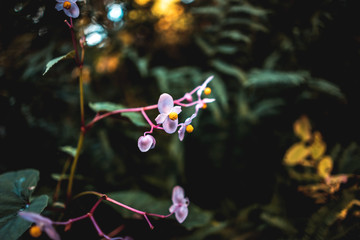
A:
(16, 189)
(140, 200)
(272, 62)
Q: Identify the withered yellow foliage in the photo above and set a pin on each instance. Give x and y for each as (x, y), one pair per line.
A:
(325, 167)
(296, 154)
(302, 128)
(318, 146)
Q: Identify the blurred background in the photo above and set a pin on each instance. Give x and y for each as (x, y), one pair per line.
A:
(273, 62)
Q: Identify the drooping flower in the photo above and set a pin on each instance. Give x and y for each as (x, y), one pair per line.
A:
(168, 116)
(203, 86)
(42, 224)
(180, 204)
(69, 6)
(186, 126)
(145, 143)
(202, 102)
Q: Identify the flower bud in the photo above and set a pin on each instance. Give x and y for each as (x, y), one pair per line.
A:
(145, 143)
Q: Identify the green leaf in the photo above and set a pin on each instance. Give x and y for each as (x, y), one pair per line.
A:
(268, 107)
(207, 10)
(229, 69)
(105, 106)
(204, 45)
(265, 78)
(324, 86)
(69, 150)
(246, 8)
(51, 63)
(145, 202)
(135, 117)
(350, 159)
(235, 35)
(227, 49)
(245, 22)
(15, 190)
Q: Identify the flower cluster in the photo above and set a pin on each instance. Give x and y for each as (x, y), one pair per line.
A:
(168, 118)
(44, 224)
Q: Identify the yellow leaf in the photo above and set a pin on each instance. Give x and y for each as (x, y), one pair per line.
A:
(318, 147)
(325, 166)
(302, 128)
(296, 154)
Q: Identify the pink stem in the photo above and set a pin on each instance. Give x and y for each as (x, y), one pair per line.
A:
(98, 116)
(96, 205)
(147, 118)
(72, 220)
(186, 104)
(145, 214)
(101, 234)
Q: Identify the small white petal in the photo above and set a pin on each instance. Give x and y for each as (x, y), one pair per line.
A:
(161, 118)
(59, 6)
(172, 208)
(208, 100)
(181, 132)
(203, 86)
(176, 109)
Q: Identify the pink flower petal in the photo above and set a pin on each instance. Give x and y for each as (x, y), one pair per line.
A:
(165, 103)
(170, 126)
(181, 213)
(177, 195)
(74, 10)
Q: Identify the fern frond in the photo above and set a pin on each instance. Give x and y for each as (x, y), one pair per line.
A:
(264, 78)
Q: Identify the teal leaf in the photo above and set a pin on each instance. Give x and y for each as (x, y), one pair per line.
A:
(229, 69)
(52, 62)
(147, 203)
(105, 106)
(324, 86)
(248, 9)
(235, 35)
(227, 49)
(135, 117)
(15, 190)
(207, 10)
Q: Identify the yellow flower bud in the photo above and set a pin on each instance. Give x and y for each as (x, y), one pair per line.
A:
(207, 91)
(189, 128)
(173, 116)
(204, 106)
(35, 231)
(67, 5)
